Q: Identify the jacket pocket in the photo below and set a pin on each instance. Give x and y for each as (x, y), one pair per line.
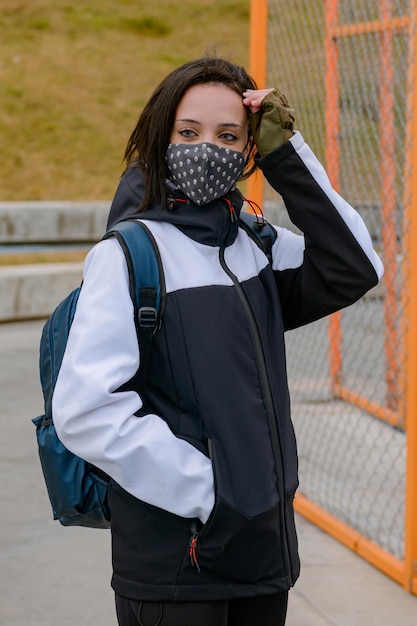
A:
(148, 543)
(244, 549)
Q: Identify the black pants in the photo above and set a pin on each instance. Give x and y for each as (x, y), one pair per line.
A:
(262, 610)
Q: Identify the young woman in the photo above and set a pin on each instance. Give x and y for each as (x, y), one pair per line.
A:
(203, 462)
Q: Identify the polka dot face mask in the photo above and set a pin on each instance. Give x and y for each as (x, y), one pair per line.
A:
(204, 171)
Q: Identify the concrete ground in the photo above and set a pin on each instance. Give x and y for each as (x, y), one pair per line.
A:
(52, 575)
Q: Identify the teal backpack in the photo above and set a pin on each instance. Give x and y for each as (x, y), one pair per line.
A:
(77, 489)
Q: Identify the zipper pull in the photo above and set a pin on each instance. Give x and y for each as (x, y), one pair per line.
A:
(193, 546)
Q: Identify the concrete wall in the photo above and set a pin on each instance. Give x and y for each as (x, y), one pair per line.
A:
(34, 222)
(33, 291)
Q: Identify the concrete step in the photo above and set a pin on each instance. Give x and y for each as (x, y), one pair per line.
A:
(33, 291)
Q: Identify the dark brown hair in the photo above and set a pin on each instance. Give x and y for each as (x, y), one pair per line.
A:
(149, 140)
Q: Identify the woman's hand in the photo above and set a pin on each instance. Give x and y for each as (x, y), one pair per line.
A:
(271, 118)
(252, 98)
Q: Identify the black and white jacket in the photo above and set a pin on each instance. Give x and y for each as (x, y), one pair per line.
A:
(204, 462)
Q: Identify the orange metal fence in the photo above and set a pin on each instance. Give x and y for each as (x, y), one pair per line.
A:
(333, 33)
(350, 69)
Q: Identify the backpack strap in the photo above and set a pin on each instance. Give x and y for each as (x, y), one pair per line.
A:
(146, 285)
(261, 231)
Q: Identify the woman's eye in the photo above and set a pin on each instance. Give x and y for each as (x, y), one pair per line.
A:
(228, 137)
(187, 132)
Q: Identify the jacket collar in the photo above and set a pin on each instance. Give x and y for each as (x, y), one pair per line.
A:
(213, 224)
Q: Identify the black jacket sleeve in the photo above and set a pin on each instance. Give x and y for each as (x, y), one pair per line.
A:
(339, 263)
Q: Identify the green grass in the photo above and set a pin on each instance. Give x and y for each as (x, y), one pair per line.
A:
(74, 78)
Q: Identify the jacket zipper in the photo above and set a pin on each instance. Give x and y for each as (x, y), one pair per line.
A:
(264, 380)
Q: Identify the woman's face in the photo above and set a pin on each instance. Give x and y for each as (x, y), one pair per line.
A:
(212, 113)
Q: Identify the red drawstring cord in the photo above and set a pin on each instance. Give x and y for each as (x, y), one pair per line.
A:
(193, 551)
(232, 211)
(173, 201)
(258, 213)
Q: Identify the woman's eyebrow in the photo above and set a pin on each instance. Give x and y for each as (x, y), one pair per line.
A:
(221, 125)
(189, 121)
(229, 125)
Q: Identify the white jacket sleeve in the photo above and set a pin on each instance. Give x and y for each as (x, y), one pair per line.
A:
(97, 423)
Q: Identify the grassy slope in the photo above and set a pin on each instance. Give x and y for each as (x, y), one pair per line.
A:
(75, 75)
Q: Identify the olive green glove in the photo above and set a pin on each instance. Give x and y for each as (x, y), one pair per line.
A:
(273, 123)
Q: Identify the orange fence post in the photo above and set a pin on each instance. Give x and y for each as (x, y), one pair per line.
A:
(332, 162)
(388, 204)
(258, 37)
(410, 308)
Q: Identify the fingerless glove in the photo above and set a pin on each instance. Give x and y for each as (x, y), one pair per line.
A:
(273, 123)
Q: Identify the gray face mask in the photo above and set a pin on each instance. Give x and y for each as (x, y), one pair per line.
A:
(204, 171)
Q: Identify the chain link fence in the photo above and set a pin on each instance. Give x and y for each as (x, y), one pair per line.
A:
(345, 67)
